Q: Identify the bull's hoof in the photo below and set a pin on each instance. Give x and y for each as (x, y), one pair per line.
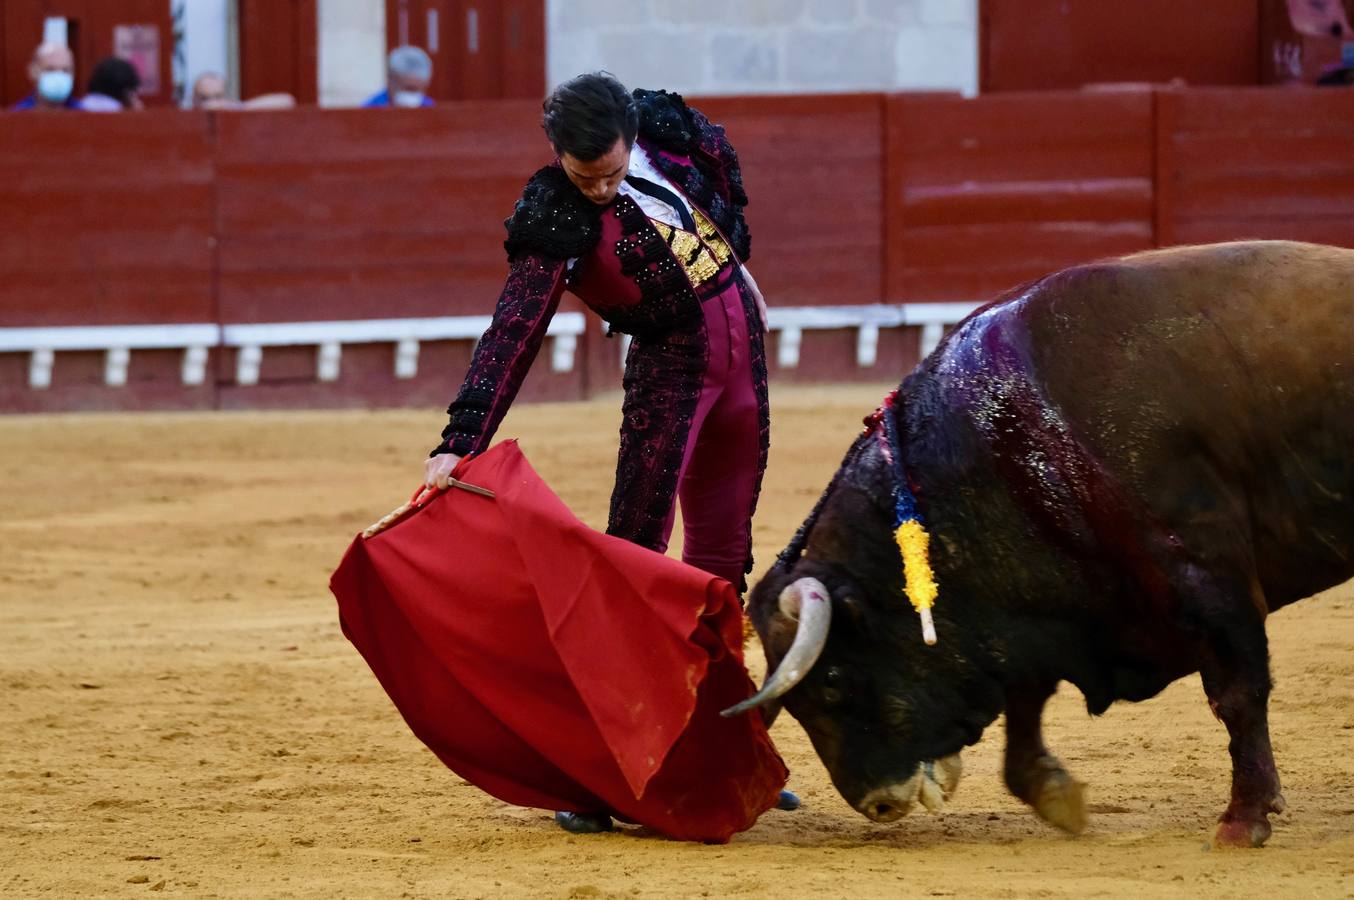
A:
(1061, 801)
(1053, 794)
(1243, 834)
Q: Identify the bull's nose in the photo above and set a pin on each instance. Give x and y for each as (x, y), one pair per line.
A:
(888, 804)
(884, 812)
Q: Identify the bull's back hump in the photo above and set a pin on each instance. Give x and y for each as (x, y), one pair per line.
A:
(1214, 317)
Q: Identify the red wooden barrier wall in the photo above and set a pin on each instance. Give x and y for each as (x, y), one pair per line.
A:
(278, 48)
(106, 225)
(322, 215)
(106, 220)
(984, 194)
(1255, 163)
(350, 214)
(1032, 45)
(813, 167)
(370, 214)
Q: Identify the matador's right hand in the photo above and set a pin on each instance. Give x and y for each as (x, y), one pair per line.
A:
(438, 468)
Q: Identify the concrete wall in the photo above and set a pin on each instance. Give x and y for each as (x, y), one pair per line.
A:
(768, 46)
(352, 47)
(707, 47)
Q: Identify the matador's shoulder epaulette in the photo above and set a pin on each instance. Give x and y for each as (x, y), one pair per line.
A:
(553, 218)
(666, 120)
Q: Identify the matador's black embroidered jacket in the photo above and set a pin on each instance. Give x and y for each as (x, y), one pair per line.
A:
(625, 269)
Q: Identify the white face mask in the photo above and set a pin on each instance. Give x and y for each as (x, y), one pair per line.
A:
(407, 98)
(55, 87)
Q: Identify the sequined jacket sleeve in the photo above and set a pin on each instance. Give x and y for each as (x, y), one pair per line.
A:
(505, 352)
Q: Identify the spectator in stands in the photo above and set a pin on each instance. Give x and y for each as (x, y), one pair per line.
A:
(1342, 73)
(52, 71)
(113, 87)
(210, 91)
(409, 71)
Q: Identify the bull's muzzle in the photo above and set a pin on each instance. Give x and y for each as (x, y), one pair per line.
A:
(931, 785)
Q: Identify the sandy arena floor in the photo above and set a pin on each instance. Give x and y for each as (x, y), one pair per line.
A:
(181, 714)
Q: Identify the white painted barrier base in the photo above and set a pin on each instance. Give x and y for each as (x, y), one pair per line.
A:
(197, 340)
(790, 323)
(250, 341)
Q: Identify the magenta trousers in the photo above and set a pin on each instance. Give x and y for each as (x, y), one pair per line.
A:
(695, 428)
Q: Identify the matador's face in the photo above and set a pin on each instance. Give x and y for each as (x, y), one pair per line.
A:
(599, 179)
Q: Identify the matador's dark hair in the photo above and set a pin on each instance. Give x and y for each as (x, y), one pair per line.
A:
(585, 115)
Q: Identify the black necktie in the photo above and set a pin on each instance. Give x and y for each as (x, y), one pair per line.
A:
(659, 192)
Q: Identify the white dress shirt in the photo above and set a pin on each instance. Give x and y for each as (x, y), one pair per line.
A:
(641, 165)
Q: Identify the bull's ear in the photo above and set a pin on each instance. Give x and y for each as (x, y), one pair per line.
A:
(769, 713)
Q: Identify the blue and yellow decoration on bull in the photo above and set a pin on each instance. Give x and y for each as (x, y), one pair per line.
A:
(914, 542)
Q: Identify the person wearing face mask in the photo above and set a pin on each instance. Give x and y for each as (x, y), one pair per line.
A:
(52, 71)
(641, 217)
(409, 71)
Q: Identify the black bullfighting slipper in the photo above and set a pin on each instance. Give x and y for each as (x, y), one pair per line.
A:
(584, 823)
(789, 800)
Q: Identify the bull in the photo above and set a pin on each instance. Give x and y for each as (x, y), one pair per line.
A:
(1124, 468)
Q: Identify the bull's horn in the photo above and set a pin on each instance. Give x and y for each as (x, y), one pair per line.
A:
(815, 616)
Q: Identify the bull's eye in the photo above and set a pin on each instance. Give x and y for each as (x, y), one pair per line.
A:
(832, 686)
(854, 609)
(895, 712)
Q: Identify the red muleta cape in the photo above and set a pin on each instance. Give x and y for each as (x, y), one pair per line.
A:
(558, 667)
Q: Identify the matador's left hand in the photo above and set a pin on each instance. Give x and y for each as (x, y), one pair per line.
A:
(757, 296)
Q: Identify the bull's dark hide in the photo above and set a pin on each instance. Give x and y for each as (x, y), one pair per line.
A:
(1125, 467)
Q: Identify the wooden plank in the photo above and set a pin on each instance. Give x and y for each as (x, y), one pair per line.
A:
(1057, 45)
(1337, 231)
(946, 265)
(355, 213)
(522, 55)
(1259, 164)
(987, 193)
(129, 199)
(1274, 194)
(1261, 111)
(1032, 200)
(1165, 122)
(8, 64)
(813, 168)
(278, 48)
